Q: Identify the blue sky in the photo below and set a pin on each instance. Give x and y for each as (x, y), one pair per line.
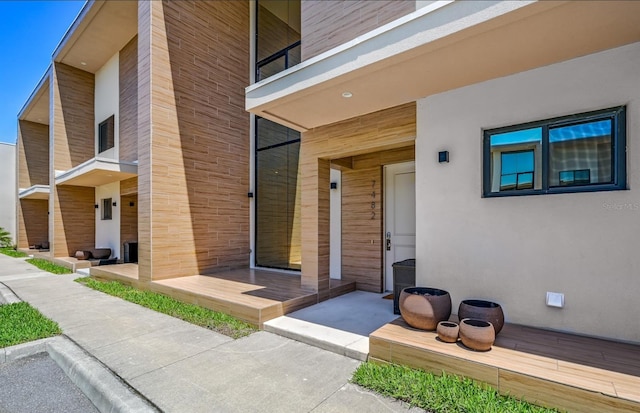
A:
(29, 32)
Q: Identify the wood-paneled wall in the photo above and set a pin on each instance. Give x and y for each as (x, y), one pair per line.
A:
(128, 220)
(363, 217)
(196, 156)
(129, 186)
(74, 222)
(371, 135)
(72, 117)
(33, 222)
(128, 79)
(33, 154)
(72, 218)
(327, 24)
(273, 34)
(362, 228)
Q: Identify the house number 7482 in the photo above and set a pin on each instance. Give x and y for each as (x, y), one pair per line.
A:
(373, 199)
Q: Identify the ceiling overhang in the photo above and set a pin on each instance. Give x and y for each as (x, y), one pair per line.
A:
(97, 172)
(35, 192)
(443, 46)
(36, 109)
(101, 30)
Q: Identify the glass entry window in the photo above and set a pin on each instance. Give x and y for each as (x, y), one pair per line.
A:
(278, 198)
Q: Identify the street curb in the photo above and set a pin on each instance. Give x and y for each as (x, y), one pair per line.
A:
(105, 390)
(13, 353)
(7, 296)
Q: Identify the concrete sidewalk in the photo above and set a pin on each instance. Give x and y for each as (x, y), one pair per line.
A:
(180, 367)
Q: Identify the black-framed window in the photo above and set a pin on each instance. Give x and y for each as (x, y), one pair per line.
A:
(277, 196)
(577, 153)
(106, 134)
(107, 212)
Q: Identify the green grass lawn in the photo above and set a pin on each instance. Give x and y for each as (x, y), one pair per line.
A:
(212, 320)
(48, 266)
(20, 323)
(438, 394)
(12, 253)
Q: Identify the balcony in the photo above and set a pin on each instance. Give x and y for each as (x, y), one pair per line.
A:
(96, 172)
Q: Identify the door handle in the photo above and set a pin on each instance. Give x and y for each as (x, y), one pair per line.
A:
(388, 241)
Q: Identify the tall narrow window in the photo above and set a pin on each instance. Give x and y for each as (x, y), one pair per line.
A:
(107, 212)
(277, 196)
(106, 134)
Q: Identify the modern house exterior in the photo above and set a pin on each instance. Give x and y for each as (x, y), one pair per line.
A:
(521, 116)
(494, 141)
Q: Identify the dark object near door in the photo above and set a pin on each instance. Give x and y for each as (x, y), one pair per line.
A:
(130, 252)
(404, 275)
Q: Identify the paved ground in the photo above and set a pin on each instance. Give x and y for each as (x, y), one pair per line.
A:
(184, 368)
(36, 384)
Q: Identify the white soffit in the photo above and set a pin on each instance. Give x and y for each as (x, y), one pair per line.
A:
(36, 109)
(101, 30)
(440, 47)
(97, 172)
(35, 192)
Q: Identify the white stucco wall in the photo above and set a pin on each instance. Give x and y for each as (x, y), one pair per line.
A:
(108, 231)
(8, 188)
(107, 101)
(513, 250)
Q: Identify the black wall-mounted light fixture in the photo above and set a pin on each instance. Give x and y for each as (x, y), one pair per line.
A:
(334, 185)
(96, 206)
(443, 156)
(114, 204)
(250, 195)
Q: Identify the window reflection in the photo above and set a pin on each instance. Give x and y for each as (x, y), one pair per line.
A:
(516, 160)
(580, 154)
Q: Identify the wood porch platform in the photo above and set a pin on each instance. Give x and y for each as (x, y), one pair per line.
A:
(255, 296)
(569, 372)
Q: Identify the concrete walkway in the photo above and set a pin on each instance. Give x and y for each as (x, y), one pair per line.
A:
(180, 367)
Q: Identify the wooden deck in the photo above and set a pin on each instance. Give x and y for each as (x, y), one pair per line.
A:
(255, 296)
(125, 273)
(570, 372)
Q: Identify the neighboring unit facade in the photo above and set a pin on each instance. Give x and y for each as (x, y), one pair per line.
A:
(8, 188)
(139, 134)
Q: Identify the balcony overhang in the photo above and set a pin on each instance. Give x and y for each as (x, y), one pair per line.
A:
(443, 46)
(97, 172)
(101, 29)
(36, 108)
(34, 192)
